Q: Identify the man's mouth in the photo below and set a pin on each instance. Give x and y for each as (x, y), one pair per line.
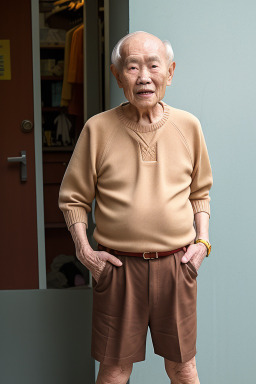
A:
(148, 92)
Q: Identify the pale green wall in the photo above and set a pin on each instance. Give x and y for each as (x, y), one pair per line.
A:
(214, 46)
(46, 337)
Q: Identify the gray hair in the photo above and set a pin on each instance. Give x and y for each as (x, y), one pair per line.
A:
(116, 53)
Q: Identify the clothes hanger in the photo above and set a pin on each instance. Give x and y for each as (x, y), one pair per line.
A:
(71, 5)
(79, 4)
(59, 2)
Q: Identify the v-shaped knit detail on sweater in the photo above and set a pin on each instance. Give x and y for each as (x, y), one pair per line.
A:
(147, 143)
(149, 153)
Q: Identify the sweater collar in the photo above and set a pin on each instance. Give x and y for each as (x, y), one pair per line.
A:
(140, 127)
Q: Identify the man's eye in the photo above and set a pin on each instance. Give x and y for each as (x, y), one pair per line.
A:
(154, 66)
(132, 67)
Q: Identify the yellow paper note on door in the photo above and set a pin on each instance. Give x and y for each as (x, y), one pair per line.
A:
(5, 60)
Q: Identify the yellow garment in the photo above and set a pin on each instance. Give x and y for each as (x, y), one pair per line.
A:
(75, 69)
(145, 200)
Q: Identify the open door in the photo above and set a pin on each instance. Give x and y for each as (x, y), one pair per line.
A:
(18, 231)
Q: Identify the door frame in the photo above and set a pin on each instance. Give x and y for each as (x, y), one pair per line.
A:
(38, 144)
(38, 123)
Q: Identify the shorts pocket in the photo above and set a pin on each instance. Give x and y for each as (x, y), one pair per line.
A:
(191, 269)
(102, 279)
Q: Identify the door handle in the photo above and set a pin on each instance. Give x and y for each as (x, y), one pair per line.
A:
(23, 164)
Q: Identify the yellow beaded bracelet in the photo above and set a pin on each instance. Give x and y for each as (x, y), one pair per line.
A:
(208, 245)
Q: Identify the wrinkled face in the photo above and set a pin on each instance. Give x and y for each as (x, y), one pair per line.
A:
(144, 72)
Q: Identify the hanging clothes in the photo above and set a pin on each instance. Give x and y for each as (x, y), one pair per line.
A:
(63, 129)
(76, 72)
(66, 94)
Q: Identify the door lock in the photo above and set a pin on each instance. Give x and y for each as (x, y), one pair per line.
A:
(26, 126)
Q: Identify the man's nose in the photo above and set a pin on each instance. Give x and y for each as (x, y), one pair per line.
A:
(143, 77)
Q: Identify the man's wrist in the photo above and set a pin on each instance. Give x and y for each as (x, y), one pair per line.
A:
(86, 252)
(204, 236)
(204, 242)
(85, 248)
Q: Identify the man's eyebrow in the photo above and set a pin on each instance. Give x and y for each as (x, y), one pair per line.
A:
(131, 60)
(154, 58)
(136, 60)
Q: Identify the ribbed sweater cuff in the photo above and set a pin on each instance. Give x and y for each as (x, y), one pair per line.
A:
(200, 206)
(76, 215)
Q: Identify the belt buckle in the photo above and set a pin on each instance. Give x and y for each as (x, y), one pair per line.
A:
(148, 258)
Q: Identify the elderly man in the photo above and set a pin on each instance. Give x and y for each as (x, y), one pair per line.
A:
(147, 165)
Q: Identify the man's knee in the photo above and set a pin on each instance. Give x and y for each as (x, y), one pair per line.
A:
(182, 373)
(114, 374)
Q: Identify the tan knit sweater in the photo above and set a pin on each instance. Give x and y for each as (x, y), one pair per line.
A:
(148, 181)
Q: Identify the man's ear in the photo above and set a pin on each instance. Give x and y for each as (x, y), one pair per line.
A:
(171, 72)
(116, 73)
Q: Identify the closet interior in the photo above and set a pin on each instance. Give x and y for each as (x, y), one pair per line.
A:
(65, 49)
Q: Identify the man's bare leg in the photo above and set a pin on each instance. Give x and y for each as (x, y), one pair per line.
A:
(114, 374)
(182, 373)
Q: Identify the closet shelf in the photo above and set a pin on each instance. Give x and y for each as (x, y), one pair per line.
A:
(52, 46)
(50, 109)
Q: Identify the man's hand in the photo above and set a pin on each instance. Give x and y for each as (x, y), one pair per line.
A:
(195, 253)
(95, 261)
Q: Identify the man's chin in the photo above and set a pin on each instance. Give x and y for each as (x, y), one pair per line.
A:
(141, 102)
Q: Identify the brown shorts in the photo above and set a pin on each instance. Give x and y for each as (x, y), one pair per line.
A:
(159, 293)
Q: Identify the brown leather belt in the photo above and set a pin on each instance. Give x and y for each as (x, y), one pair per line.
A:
(145, 255)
